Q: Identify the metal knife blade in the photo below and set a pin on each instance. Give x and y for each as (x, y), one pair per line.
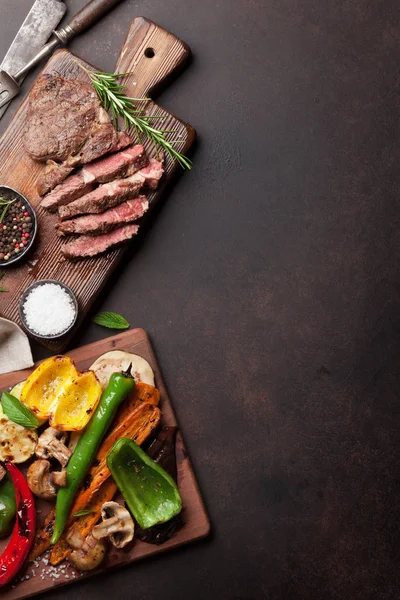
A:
(34, 32)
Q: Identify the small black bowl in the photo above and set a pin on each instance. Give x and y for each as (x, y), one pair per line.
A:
(22, 302)
(9, 193)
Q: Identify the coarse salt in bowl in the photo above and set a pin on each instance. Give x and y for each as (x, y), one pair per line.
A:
(48, 309)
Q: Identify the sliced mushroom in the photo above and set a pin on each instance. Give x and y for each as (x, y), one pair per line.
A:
(88, 554)
(43, 482)
(2, 473)
(52, 443)
(117, 524)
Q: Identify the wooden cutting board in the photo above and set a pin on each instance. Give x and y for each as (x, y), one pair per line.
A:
(152, 56)
(195, 521)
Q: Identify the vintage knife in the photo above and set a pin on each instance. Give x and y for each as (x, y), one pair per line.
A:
(38, 26)
(89, 14)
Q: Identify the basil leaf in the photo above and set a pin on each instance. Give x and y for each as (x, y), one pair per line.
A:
(17, 412)
(111, 320)
(83, 513)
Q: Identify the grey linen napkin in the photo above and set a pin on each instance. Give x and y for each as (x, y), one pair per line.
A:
(15, 352)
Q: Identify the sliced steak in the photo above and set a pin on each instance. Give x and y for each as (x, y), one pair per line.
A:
(122, 164)
(91, 245)
(127, 212)
(55, 173)
(71, 189)
(111, 194)
(63, 115)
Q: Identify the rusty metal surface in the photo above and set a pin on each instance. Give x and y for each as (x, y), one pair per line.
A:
(272, 296)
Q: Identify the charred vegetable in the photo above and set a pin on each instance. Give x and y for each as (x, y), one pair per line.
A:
(17, 443)
(162, 451)
(120, 385)
(44, 482)
(150, 493)
(116, 524)
(7, 506)
(23, 534)
(58, 392)
(88, 553)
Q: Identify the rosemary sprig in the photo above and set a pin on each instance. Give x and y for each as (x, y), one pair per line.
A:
(5, 205)
(112, 96)
(2, 289)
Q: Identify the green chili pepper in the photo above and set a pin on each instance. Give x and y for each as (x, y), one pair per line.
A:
(120, 385)
(150, 493)
(7, 506)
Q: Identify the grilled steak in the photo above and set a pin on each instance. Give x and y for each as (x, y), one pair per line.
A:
(111, 194)
(127, 212)
(55, 173)
(91, 245)
(122, 164)
(63, 114)
(67, 124)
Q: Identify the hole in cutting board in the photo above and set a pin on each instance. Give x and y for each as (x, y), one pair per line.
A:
(149, 52)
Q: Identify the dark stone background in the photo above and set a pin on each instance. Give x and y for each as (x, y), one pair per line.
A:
(269, 283)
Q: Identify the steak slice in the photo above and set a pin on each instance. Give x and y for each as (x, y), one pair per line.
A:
(127, 212)
(63, 115)
(55, 173)
(119, 165)
(122, 164)
(91, 245)
(111, 194)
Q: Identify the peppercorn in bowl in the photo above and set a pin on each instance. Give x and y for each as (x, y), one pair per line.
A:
(18, 226)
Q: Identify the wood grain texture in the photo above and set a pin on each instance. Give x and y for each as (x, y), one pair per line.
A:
(195, 520)
(19, 171)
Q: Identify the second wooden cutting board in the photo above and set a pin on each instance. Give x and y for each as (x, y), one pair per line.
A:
(152, 56)
(39, 577)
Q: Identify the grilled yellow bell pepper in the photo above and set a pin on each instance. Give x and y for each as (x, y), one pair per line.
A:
(58, 392)
(76, 404)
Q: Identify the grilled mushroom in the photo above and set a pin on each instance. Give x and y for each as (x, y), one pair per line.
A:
(43, 482)
(88, 552)
(117, 524)
(2, 473)
(52, 444)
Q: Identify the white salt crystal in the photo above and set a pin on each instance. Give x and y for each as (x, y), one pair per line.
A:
(48, 309)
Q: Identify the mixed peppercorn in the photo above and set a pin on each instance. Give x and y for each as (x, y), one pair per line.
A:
(15, 228)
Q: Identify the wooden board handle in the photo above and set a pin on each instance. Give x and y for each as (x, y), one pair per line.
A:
(151, 55)
(90, 14)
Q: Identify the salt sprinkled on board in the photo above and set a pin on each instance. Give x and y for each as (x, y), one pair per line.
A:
(48, 309)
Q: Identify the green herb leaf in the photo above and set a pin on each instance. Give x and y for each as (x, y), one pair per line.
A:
(111, 320)
(83, 513)
(17, 412)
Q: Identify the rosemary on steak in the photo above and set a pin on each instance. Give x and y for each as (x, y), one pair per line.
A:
(112, 95)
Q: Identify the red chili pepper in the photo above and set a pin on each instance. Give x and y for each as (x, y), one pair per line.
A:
(23, 534)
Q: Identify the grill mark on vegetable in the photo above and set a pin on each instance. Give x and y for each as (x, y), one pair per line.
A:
(87, 481)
